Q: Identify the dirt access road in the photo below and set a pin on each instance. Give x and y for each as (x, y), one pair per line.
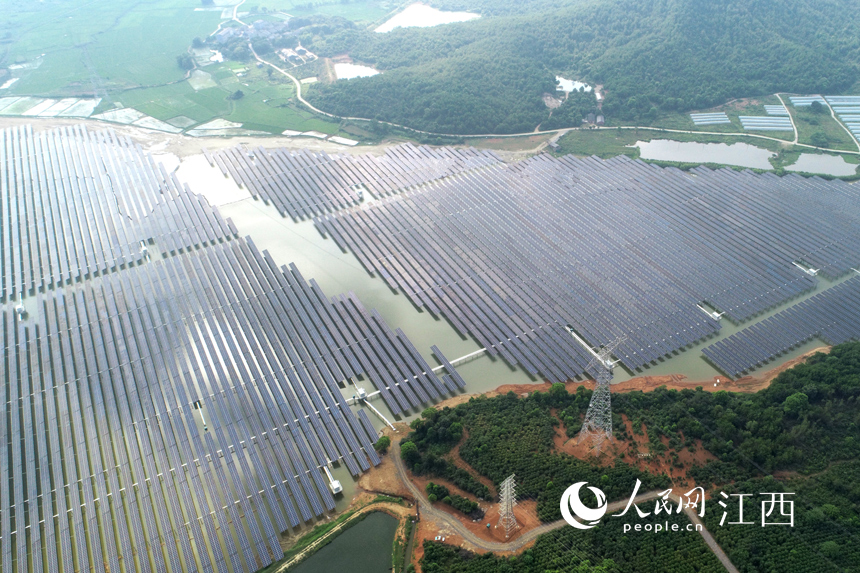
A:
(439, 516)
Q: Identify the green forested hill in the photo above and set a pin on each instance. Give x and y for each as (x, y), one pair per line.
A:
(488, 75)
(801, 436)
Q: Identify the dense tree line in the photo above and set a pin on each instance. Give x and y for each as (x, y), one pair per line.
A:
(428, 459)
(436, 492)
(653, 56)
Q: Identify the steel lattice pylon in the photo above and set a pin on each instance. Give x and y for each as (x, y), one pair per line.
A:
(507, 501)
(597, 426)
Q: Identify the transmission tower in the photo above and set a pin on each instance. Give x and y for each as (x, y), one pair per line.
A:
(507, 501)
(597, 426)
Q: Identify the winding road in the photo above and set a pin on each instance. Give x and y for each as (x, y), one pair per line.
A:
(560, 132)
(443, 517)
(790, 117)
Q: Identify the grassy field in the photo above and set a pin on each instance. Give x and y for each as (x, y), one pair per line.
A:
(809, 123)
(126, 53)
(733, 109)
(101, 45)
(525, 143)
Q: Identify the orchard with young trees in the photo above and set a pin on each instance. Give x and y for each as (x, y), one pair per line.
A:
(804, 428)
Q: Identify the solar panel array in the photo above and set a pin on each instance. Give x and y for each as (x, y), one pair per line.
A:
(847, 108)
(303, 184)
(801, 101)
(515, 254)
(776, 110)
(75, 204)
(833, 316)
(175, 415)
(766, 123)
(709, 118)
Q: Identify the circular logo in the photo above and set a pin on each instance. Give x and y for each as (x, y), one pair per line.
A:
(590, 517)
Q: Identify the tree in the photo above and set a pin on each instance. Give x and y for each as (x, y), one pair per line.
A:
(796, 403)
(455, 430)
(238, 94)
(830, 549)
(185, 61)
(817, 107)
(819, 139)
(241, 54)
(432, 497)
(409, 453)
(262, 47)
(382, 444)
(197, 43)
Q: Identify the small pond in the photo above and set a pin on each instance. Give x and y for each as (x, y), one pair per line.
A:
(349, 71)
(423, 16)
(566, 85)
(824, 164)
(740, 154)
(363, 548)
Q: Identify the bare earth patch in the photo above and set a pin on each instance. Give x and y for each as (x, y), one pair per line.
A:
(637, 452)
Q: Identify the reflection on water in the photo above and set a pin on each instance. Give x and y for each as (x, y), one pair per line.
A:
(825, 164)
(209, 181)
(740, 154)
(349, 71)
(422, 16)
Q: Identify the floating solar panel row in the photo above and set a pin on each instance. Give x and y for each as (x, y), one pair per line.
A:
(303, 184)
(513, 255)
(75, 204)
(454, 380)
(200, 392)
(833, 316)
(387, 357)
(709, 118)
(764, 123)
(776, 110)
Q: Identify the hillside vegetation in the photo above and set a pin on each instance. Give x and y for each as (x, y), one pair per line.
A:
(800, 435)
(652, 56)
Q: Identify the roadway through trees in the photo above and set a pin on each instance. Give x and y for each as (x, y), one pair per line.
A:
(440, 516)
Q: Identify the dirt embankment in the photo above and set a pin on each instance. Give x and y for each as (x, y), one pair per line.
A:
(184, 145)
(527, 520)
(747, 384)
(384, 479)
